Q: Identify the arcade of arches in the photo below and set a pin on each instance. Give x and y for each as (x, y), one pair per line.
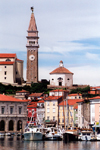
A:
(12, 125)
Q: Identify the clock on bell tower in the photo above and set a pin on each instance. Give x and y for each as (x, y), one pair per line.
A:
(32, 51)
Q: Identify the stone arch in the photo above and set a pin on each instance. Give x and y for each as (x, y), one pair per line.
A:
(11, 125)
(2, 125)
(19, 125)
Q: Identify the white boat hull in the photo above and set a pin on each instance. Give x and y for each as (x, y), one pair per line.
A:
(33, 136)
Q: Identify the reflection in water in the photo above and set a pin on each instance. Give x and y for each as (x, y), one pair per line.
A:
(15, 143)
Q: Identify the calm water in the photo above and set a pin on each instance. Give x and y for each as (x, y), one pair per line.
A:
(17, 144)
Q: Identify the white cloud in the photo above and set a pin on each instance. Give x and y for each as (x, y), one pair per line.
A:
(92, 56)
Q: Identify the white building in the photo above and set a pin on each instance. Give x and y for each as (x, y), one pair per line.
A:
(61, 76)
(11, 68)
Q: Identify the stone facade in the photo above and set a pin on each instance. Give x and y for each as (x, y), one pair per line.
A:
(32, 52)
(13, 114)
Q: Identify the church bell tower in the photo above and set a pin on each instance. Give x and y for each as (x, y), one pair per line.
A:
(32, 51)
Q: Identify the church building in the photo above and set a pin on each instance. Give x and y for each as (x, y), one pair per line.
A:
(61, 77)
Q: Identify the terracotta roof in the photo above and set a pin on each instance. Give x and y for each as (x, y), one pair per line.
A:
(10, 99)
(62, 103)
(32, 104)
(41, 101)
(32, 24)
(58, 90)
(19, 59)
(7, 63)
(61, 70)
(52, 98)
(35, 95)
(23, 91)
(7, 55)
(95, 88)
(73, 101)
(70, 102)
(97, 97)
(75, 94)
(76, 106)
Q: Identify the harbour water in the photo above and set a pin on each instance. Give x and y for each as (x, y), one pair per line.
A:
(14, 143)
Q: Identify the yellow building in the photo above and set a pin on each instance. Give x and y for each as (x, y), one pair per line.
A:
(51, 110)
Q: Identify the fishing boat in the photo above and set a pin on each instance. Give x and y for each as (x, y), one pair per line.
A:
(32, 133)
(71, 135)
(53, 134)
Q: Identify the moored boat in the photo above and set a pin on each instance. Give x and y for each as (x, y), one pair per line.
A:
(32, 133)
(53, 134)
(86, 135)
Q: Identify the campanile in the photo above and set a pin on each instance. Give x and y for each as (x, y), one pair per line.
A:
(32, 51)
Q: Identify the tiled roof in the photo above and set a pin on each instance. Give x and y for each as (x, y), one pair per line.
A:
(70, 102)
(32, 24)
(41, 101)
(97, 97)
(52, 98)
(35, 94)
(19, 59)
(23, 91)
(58, 90)
(7, 55)
(96, 87)
(61, 70)
(75, 94)
(32, 104)
(7, 63)
(74, 101)
(5, 98)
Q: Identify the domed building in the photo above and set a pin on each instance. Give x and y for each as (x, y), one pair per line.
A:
(61, 77)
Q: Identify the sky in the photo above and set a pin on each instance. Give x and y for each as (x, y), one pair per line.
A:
(69, 30)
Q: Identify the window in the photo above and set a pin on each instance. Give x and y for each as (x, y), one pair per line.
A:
(53, 103)
(52, 79)
(53, 118)
(59, 113)
(47, 103)
(47, 117)
(59, 120)
(8, 59)
(53, 110)
(20, 110)
(2, 110)
(5, 66)
(5, 78)
(11, 110)
(5, 72)
(62, 120)
(82, 120)
(48, 110)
